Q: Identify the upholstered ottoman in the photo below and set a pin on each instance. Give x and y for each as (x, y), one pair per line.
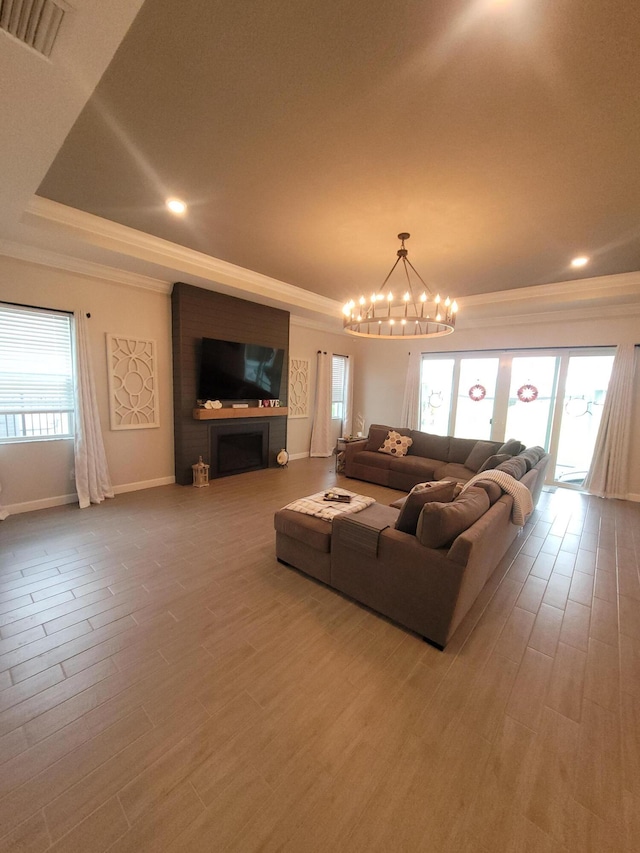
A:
(304, 542)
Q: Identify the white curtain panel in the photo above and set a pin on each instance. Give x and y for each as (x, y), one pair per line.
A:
(347, 422)
(608, 474)
(321, 444)
(3, 512)
(411, 400)
(93, 483)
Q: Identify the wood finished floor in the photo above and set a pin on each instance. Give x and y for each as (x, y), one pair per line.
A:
(166, 685)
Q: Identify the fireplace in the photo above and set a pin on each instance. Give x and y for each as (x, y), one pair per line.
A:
(238, 447)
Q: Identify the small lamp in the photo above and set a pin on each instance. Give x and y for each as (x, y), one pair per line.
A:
(200, 473)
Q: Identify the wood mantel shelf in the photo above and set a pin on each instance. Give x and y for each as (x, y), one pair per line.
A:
(251, 412)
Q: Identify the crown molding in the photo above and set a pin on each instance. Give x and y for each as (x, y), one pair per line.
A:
(180, 260)
(575, 299)
(603, 312)
(46, 258)
(575, 290)
(332, 325)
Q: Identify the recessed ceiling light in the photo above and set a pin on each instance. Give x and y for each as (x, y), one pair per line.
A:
(580, 261)
(176, 206)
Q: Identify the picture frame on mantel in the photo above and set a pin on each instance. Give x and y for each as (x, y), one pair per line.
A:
(299, 371)
(133, 383)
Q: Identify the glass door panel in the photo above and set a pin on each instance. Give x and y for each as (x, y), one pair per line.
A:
(435, 394)
(476, 396)
(531, 397)
(585, 391)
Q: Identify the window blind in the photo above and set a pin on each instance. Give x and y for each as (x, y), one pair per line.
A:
(36, 372)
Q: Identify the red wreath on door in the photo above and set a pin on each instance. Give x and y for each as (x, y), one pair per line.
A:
(527, 393)
(477, 392)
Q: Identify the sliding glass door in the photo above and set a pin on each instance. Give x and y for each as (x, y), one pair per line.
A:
(551, 398)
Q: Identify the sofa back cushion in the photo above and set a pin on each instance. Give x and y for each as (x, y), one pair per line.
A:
(420, 495)
(493, 490)
(439, 524)
(493, 461)
(459, 449)
(532, 455)
(481, 451)
(512, 447)
(516, 466)
(379, 432)
(430, 446)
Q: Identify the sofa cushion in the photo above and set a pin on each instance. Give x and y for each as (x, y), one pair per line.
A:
(493, 461)
(453, 471)
(512, 447)
(532, 455)
(314, 532)
(378, 433)
(482, 450)
(430, 446)
(459, 449)
(373, 459)
(516, 466)
(439, 523)
(420, 495)
(396, 444)
(493, 490)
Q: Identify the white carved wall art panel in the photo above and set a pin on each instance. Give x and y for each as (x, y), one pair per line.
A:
(299, 388)
(133, 384)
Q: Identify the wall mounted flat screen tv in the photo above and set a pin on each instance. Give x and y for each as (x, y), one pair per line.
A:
(233, 371)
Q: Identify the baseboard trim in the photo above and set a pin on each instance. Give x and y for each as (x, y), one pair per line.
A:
(294, 456)
(61, 500)
(634, 497)
(43, 503)
(143, 484)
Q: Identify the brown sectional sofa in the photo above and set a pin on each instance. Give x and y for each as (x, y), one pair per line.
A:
(428, 579)
(430, 457)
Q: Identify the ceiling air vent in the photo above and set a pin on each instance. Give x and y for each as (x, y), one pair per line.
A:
(34, 22)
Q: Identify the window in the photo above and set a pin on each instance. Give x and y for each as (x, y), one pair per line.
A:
(338, 386)
(553, 398)
(36, 374)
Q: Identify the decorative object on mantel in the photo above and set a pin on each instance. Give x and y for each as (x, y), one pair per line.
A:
(282, 458)
(212, 404)
(133, 386)
(200, 473)
(413, 314)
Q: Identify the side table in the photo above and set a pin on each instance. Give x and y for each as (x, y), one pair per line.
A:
(339, 450)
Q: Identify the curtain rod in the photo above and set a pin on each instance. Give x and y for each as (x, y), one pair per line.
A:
(41, 308)
(523, 349)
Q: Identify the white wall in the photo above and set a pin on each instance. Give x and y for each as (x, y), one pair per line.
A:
(38, 473)
(380, 395)
(304, 342)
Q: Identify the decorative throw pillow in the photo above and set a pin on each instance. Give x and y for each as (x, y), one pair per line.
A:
(493, 490)
(420, 495)
(439, 524)
(479, 455)
(396, 444)
(512, 447)
(493, 461)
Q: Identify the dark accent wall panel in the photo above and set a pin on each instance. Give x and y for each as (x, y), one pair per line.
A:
(197, 314)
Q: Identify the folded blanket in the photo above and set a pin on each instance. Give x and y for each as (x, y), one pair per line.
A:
(317, 506)
(522, 500)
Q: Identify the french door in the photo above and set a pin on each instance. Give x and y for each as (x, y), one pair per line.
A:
(552, 398)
